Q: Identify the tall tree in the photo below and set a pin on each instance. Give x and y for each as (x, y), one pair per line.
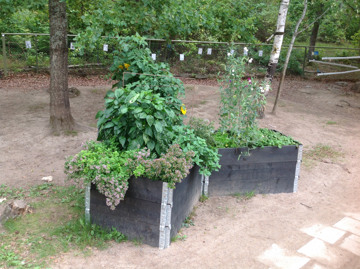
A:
(275, 53)
(296, 32)
(60, 114)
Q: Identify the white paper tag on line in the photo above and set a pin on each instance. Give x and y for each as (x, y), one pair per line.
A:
(260, 53)
(209, 51)
(28, 44)
(200, 51)
(245, 51)
(232, 52)
(72, 46)
(153, 56)
(105, 47)
(181, 57)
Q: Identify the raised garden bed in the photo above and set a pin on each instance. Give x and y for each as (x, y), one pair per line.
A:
(265, 170)
(151, 212)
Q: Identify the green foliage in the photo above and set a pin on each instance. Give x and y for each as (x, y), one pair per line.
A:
(203, 129)
(263, 137)
(138, 119)
(140, 114)
(103, 165)
(205, 156)
(171, 167)
(240, 102)
(55, 226)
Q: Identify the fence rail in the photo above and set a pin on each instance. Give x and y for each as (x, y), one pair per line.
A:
(31, 50)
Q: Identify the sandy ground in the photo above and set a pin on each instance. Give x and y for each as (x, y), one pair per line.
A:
(229, 232)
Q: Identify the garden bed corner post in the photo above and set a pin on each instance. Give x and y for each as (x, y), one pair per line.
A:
(297, 171)
(165, 216)
(87, 203)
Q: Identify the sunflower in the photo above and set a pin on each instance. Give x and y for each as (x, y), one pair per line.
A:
(127, 66)
(183, 109)
(121, 67)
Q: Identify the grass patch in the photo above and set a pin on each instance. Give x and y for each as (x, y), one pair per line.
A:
(71, 133)
(331, 122)
(321, 153)
(245, 196)
(178, 237)
(56, 225)
(203, 198)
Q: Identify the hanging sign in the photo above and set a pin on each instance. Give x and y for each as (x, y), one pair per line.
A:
(28, 44)
(209, 51)
(153, 56)
(246, 51)
(181, 57)
(200, 51)
(72, 46)
(260, 53)
(105, 47)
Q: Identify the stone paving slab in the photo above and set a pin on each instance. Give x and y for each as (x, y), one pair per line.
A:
(325, 233)
(276, 256)
(352, 244)
(349, 224)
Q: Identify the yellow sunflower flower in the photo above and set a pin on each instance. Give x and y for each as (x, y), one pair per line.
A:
(127, 66)
(183, 109)
(121, 67)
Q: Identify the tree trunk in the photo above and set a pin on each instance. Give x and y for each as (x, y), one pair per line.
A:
(314, 33)
(275, 53)
(313, 37)
(288, 56)
(60, 115)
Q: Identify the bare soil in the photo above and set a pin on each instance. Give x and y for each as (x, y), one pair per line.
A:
(229, 232)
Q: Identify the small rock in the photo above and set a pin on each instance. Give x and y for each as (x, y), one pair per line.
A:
(356, 87)
(341, 83)
(47, 179)
(73, 92)
(15, 209)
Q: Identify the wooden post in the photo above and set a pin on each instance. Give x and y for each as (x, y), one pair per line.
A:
(36, 51)
(304, 61)
(4, 54)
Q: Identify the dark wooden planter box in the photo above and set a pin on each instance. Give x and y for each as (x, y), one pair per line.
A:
(151, 212)
(265, 170)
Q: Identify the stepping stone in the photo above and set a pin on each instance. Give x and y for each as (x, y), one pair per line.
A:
(349, 224)
(325, 233)
(352, 244)
(276, 256)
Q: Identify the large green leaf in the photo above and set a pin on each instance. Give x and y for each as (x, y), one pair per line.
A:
(158, 126)
(150, 120)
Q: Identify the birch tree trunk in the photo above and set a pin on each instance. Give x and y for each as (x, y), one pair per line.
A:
(60, 115)
(275, 53)
(288, 56)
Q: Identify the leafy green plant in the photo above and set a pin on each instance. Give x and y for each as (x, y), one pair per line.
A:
(138, 119)
(205, 156)
(204, 129)
(103, 165)
(265, 137)
(171, 167)
(241, 100)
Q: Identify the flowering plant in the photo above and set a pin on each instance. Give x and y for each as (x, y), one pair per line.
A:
(103, 165)
(241, 99)
(171, 167)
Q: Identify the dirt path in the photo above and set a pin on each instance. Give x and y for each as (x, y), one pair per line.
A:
(265, 231)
